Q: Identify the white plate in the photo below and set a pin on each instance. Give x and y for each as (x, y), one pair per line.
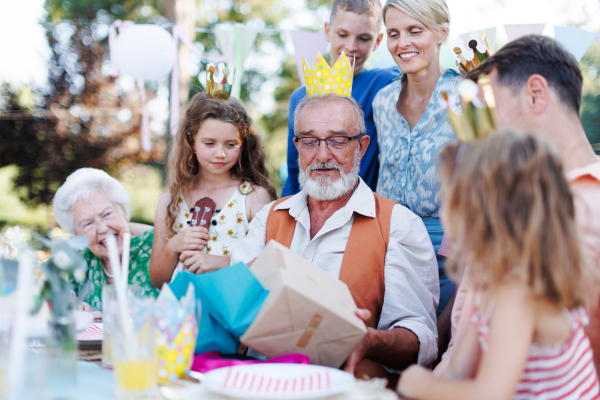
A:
(278, 381)
(37, 325)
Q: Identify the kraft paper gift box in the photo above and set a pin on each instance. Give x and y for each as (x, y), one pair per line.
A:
(230, 298)
(307, 310)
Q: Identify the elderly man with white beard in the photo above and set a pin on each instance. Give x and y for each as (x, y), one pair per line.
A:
(380, 249)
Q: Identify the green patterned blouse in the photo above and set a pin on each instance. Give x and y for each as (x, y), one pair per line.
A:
(139, 258)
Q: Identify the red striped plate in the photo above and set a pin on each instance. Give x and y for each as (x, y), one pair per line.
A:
(92, 333)
(278, 381)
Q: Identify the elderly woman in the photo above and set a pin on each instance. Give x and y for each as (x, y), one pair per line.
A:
(411, 122)
(94, 204)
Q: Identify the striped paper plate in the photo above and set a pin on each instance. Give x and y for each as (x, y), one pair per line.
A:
(278, 381)
(91, 337)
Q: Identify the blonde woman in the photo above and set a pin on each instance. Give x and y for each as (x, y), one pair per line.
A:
(409, 117)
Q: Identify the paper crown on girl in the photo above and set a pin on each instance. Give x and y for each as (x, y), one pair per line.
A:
(474, 53)
(322, 80)
(219, 81)
(478, 118)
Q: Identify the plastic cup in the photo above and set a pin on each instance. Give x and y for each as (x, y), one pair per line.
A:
(109, 310)
(134, 351)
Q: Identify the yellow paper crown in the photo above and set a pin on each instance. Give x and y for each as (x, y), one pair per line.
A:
(321, 80)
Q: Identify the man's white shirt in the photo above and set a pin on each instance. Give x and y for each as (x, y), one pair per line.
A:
(411, 279)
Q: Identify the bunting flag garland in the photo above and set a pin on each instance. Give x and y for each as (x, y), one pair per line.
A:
(576, 40)
(241, 40)
(516, 31)
(149, 52)
(307, 44)
(490, 33)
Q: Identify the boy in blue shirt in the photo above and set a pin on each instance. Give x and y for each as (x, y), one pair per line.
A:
(353, 28)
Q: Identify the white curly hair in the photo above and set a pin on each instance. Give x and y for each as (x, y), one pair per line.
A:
(81, 184)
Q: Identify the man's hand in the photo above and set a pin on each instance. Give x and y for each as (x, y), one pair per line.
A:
(363, 346)
(199, 263)
(412, 378)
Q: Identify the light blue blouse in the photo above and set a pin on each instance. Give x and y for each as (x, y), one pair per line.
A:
(408, 159)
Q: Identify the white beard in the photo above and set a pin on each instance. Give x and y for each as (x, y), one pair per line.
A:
(322, 188)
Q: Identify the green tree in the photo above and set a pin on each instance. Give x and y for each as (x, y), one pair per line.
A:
(590, 105)
(75, 121)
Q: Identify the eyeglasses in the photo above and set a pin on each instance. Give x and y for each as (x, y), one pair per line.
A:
(333, 142)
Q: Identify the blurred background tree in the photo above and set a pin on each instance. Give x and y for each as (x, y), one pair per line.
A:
(590, 105)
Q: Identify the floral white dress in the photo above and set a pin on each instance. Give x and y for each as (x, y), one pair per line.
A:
(226, 228)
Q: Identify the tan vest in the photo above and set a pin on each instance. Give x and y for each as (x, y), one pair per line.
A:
(363, 263)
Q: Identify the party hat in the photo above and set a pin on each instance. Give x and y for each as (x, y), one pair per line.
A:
(176, 331)
(219, 81)
(322, 80)
(478, 118)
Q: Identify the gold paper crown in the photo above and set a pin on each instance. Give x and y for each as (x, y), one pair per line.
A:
(478, 118)
(321, 80)
(219, 82)
(478, 51)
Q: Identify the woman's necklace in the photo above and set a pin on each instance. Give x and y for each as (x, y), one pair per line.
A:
(106, 272)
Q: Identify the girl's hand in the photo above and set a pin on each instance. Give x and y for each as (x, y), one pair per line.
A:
(192, 238)
(199, 263)
(411, 379)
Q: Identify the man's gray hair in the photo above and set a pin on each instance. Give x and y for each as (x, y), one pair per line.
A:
(323, 100)
(372, 8)
(81, 184)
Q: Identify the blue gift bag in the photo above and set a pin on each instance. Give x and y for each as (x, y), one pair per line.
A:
(230, 297)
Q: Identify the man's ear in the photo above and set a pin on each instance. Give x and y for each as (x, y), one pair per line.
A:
(378, 40)
(537, 91)
(327, 29)
(364, 143)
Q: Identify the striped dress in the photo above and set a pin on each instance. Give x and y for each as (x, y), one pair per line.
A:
(563, 371)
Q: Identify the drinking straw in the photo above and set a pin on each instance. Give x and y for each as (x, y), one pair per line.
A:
(19, 330)
(125, 259)
(120, 289)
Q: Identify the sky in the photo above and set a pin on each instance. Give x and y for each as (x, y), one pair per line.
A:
(23, 47)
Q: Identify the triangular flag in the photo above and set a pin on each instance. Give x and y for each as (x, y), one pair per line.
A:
(516, 31)
(576, 40)
(307, 44)
(236, 41)
(490, 34)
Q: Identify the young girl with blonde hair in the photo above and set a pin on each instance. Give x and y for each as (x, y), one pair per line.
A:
(219, 155)
(507, 204)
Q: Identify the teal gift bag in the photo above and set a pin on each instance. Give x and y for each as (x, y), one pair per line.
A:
(230, 297)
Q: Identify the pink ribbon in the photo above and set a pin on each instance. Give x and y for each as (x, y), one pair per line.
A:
(112, 36)
(210, 360)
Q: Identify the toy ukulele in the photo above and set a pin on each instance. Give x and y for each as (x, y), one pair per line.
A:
(203, 211)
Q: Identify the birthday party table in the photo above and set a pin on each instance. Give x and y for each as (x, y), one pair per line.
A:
(97, 383)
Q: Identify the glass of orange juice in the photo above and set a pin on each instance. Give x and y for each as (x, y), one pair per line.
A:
(134, 351)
